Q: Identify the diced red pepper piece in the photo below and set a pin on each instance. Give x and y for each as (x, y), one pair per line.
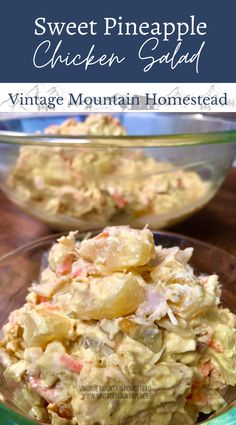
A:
(198, 398)
(120, 200)
(52, 307)
(216, 346)
(102, 235)
(42, 299)
(65, 266)
(198, 383)
(81, 268)
(48, 394)
(206, 368)
(72, 363)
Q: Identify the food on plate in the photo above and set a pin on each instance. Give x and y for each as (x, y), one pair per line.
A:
(120, 331)
(95, 186)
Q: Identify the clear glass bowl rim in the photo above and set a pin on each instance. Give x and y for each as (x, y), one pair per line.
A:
(128, 141)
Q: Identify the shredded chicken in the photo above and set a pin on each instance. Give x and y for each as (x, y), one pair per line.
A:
(120, 331)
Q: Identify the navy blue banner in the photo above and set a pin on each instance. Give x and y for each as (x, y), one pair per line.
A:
(118, 41)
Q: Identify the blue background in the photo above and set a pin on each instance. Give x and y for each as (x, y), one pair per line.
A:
(18, 42)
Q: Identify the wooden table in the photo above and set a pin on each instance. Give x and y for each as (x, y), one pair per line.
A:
(215, 224)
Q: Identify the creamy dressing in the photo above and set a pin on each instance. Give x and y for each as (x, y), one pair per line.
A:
(119, 331)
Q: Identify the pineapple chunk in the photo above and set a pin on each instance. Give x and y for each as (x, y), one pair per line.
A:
(16, 371)
(118, 249)
(42, 326)
(105, 297)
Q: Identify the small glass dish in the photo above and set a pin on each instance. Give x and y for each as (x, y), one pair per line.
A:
(20, 267)
(166, 168)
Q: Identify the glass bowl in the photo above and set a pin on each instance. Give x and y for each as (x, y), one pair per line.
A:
(166, 168)
(20, 267)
